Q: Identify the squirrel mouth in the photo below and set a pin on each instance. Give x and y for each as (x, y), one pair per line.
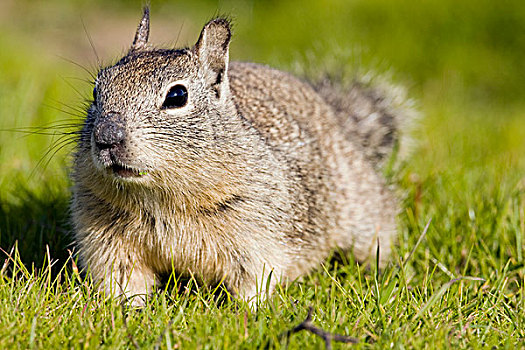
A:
(126, 172)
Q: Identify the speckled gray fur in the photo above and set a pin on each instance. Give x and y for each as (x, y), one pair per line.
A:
(255, 174)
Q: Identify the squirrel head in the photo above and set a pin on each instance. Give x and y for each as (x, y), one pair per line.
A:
(159, 115)
(211, 49)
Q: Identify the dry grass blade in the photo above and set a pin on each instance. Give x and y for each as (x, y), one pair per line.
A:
(420, 239)
(436, 296)
(130, 336)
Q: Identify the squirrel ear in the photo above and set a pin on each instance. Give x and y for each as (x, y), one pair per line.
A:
(142, 34)
(213, 43)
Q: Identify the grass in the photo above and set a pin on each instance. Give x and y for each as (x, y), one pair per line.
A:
(460, 285)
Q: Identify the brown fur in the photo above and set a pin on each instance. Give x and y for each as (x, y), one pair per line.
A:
(255, 175)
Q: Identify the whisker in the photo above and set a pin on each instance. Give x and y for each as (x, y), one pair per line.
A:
(73, 111)
(173, 139)
(90, 72)
(83, 80)
(91, 42)
(78, 92)
(178, 35)
(55, 147)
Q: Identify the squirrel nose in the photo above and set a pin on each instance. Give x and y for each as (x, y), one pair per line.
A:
(109, 131)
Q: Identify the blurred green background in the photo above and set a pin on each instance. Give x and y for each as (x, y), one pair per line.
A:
(462, 62)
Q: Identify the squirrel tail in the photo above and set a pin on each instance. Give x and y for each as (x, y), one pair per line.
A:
(375, 114)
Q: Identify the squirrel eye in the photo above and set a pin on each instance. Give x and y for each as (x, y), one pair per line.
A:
(177, 97)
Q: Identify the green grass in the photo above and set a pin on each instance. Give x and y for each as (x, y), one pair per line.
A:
(461, 285)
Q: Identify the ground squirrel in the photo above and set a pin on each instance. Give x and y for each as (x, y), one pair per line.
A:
(226, 171)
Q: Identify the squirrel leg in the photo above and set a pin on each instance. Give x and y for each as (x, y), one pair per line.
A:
(134, 283)
(258, 287)
(122, 275)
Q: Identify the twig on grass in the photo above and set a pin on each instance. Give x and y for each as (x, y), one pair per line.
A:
(327, 336)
